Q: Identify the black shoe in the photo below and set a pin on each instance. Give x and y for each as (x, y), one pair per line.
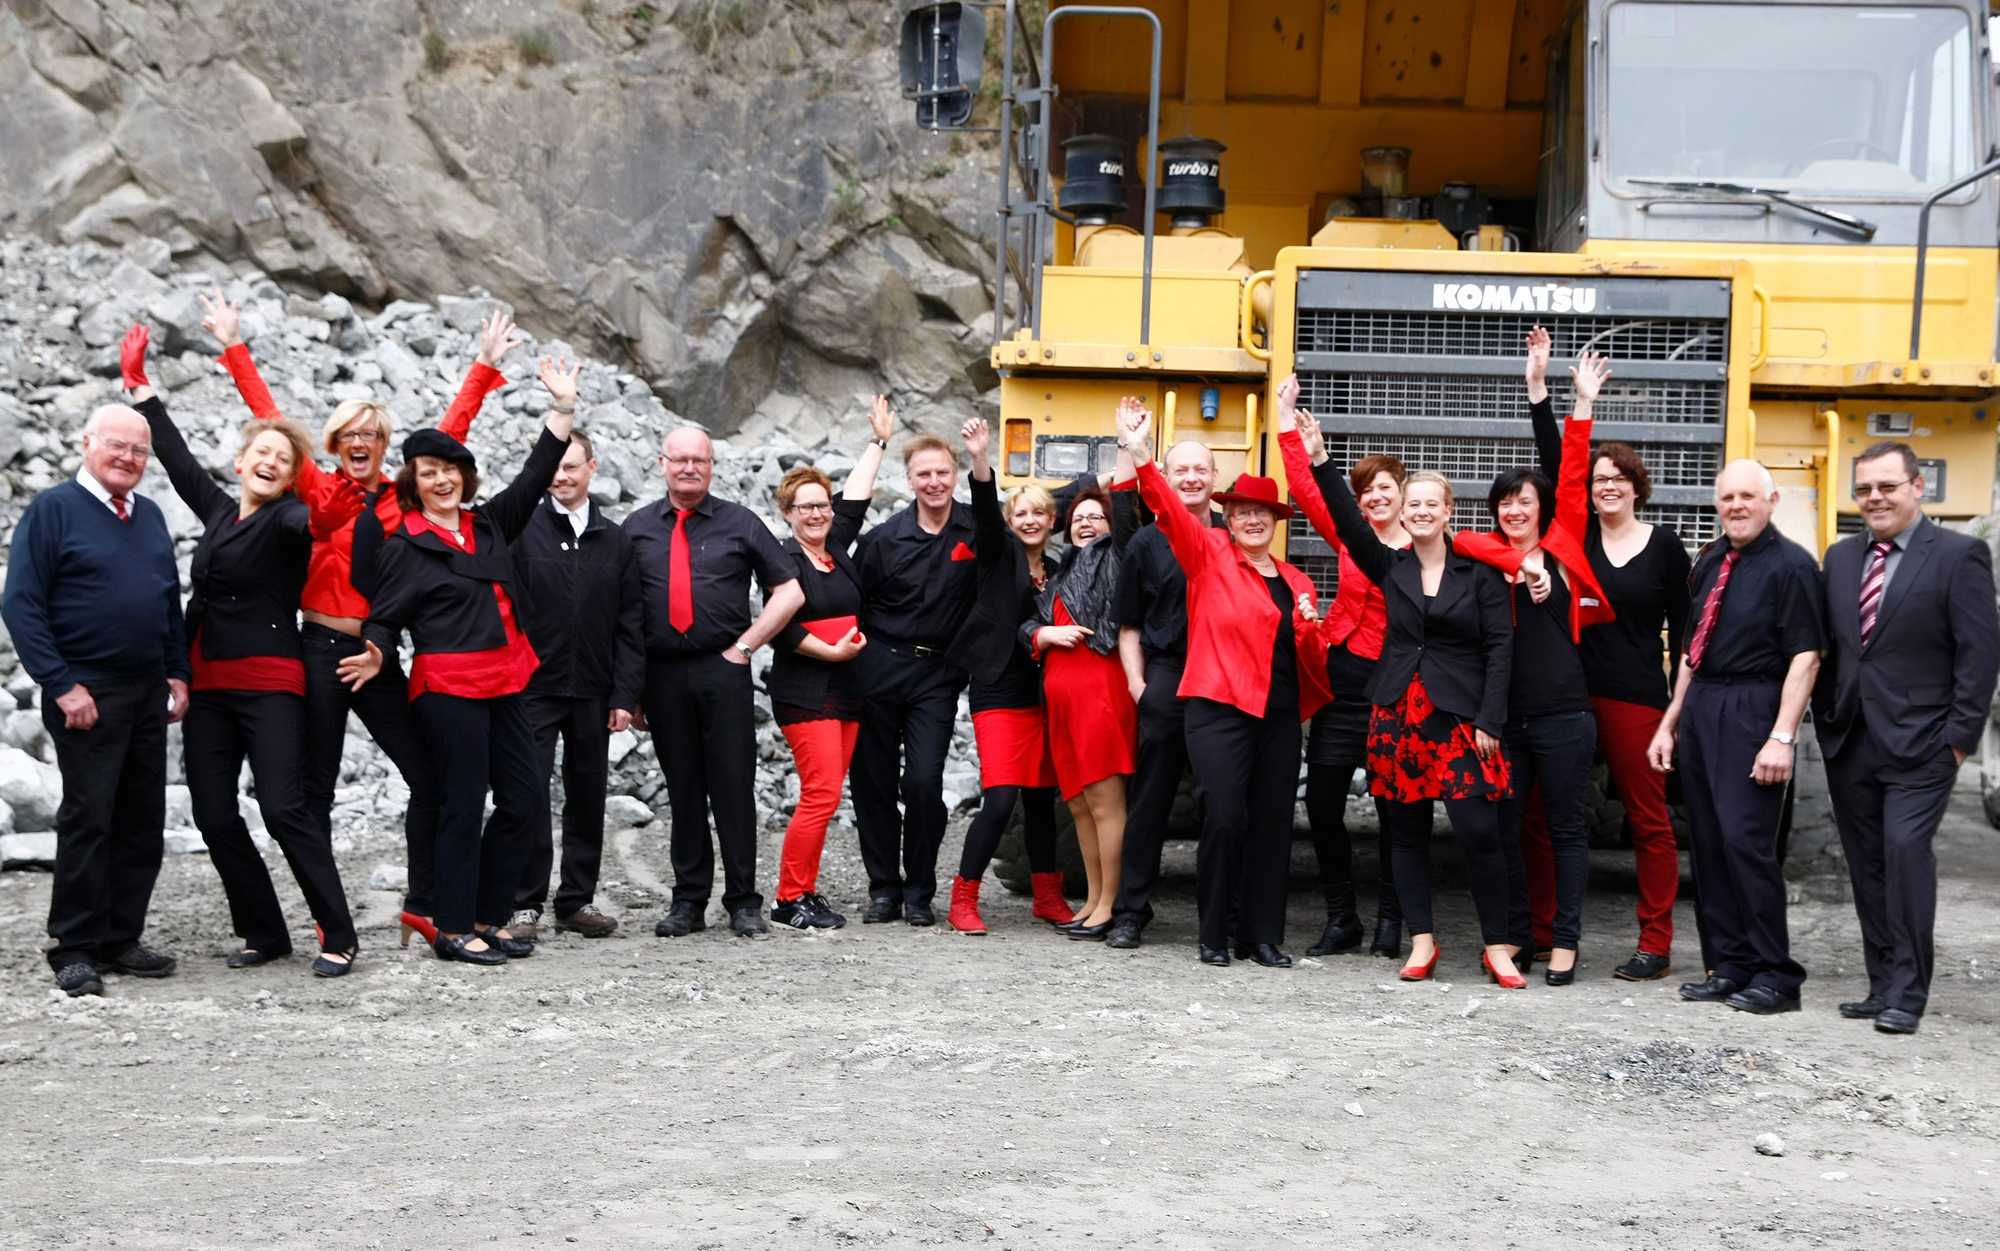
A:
(1090, 933)
(1343, 933)
(1764, 1001)
(919, 914)
(512, 948)
(1388, 940)
(747, 923)
(1124, 934)
(1562, 977)
(251, 959)
(1714, 990)
(588, 921)
(1888, 1021)
(683, 918)
(796, 913)
(456, 949)
(1209, 955)
(139, 962)
(824, 917)
(1865, 1010)
(1644, 966)
(79, 977)
(882, 910)
(1265, 954)
(322, 966)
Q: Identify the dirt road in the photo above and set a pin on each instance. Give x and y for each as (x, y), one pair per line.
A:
(888, 1087)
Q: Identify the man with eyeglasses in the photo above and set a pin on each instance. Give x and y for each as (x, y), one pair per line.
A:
(1902, 700)
(696, 555)
(93, 602)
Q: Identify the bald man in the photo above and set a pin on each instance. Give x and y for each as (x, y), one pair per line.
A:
(93, 601)
(1754, 638)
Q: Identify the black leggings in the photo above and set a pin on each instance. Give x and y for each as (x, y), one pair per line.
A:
(1499, 887)
(1337, 746)
(1038, 829)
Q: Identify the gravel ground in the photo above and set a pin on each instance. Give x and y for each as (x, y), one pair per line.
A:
(886, 1086)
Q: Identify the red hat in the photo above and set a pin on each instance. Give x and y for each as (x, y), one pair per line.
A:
(1251, 489)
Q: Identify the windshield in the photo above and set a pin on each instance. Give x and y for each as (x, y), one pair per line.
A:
(1828, 101)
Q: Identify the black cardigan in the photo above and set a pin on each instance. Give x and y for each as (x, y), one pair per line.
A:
(588, 619)
(1004, 675)
(1463, 645)
(444, 596)
(802, 681)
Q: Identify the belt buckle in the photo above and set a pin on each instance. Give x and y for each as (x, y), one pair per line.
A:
(922, 653)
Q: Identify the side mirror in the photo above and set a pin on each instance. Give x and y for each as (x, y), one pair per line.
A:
(943, 56)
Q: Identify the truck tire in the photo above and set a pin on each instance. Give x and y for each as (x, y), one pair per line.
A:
(1989, 772)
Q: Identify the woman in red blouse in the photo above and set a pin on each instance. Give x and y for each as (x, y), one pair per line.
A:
(445, 577)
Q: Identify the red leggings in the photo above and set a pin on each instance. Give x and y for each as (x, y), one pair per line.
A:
(1624, 730)
(822, 750)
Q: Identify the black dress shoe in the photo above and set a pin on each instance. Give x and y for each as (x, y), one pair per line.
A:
(1896, 1021)
(1388, 940)
(1343, 933)
(1124, 934)
(1866, 1009)
(1714, 990)
(1265, 954)
(139, 962)
(1763, 1001)
(79, 977)
(880, 910)
(747, 923)
(251, 959)
(512, 948)
(919, 914)
(683, 918)
(324, 965)
(1644, 966)
(1090, 933)
(1210, 955)
(455, 949)
(1561, 977)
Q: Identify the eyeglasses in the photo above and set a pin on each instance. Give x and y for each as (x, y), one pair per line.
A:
(358, 436)
(119, 447)
(682, 462)
(1612, 479)
(1862, 490)
(812, 508)
(1096, 517)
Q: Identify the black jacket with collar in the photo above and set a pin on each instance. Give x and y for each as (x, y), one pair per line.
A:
(985, 645)
(587, 620)
(444, 596)
(1087, 580)
(802, 681)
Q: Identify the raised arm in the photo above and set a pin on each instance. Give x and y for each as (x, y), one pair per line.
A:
(190, 481)
(1344, 523)
(1185, 537)
(223, 318)
(1572, 475)
(512, 508)
(989, 528)
(882, 422)
(496, 338)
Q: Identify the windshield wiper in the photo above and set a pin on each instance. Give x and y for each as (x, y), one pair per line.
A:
(1853, 225)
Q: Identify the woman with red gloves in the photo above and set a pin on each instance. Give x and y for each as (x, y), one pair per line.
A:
(248, 692)
(340, 581)
(1440, 696)
(1256, 669)
(445, 576)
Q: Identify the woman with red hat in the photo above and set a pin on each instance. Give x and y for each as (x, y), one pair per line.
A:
(1256, 669)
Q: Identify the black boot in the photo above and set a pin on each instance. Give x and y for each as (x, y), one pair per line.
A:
(1343, 928)
(1388, 939)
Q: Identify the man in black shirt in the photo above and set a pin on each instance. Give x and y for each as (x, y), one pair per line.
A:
(1753, 652)
(1152, 644)
(918, 578)
(696, 555)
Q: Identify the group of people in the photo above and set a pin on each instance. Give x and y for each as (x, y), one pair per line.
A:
(1105, 655)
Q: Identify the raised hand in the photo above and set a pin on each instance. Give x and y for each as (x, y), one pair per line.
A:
(1288, 400)
(881, 419)
(560, 375)
(1589, 375)
(342, 499)
(132, 357)
(496, 338)
(1539, 346)
(1135, 427)
(222, 318)
(978, 439)
(1310, 434)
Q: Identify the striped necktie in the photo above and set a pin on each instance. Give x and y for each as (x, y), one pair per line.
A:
(1871, 587)
(118, 506)
(1711, 610)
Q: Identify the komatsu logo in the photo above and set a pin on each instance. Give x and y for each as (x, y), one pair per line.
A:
(1496, 297)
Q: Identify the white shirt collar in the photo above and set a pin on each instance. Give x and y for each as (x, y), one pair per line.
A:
(89, 482)
(579, 517)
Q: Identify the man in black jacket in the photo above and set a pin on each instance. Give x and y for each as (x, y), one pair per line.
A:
(587, 624)
(1914, 647)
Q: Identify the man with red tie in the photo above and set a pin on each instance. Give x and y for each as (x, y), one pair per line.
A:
(696, 555)
(1753, 653)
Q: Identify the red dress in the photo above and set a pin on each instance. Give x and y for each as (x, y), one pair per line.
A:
(1418, 751)
(1013, 747)
(1093, 723)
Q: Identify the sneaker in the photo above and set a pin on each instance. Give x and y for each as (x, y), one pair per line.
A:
(825, 918)
(1644, 966)
(524, 923)
(140, 962)
(79, 978)
(797, 913)
(587, 921)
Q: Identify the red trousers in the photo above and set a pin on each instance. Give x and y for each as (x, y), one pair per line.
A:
(1624, 730)
(822, 750)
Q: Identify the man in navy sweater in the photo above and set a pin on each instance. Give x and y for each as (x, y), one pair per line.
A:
(93, 602)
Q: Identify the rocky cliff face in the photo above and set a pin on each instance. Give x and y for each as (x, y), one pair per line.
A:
(725, 197)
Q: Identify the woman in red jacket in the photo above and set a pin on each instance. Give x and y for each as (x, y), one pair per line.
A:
(340, 580)
(1256, 669)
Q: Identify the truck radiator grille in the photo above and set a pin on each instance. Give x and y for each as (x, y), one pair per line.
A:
(1335, 395)
(1473, 463)
(1468, 334)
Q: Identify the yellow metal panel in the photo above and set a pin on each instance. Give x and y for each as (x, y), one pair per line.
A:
(1266, 227)
(1528, 68)
(1190, 307)
(1343, 35)
(1487, 54)
(1383, 232)
(1274, 49)
(1416, 50)
(1070, 405)
(1959, 432)
(1109, 56)
(1207, 51)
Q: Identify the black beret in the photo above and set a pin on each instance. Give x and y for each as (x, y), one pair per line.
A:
(431, 441)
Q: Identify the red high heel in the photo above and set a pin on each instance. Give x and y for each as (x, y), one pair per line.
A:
(1050, 905)
(414, 924)
(964, 916)
(1422, 972)
(1507, 981)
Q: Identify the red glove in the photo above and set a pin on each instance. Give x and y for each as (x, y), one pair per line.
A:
(132, 356)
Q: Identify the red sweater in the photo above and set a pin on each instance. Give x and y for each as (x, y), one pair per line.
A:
(328, 588)
(1360, 616)
(1232, 623)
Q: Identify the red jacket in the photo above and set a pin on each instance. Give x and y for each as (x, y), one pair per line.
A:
(1360, 616)
(328, 588)
(1232, 623)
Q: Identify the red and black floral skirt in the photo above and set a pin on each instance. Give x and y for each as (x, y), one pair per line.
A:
(1418, 751)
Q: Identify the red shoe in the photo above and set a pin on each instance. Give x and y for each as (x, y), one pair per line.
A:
(1050, 905)
(414, 924)
(1508, 981)
(1422, 972)
(964, 915)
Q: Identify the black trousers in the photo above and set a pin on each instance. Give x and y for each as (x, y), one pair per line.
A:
(109, 826)
(1248, 768)
(1335, 748)
(384, 708)
(1156, 782)
(268, 727)
(1555, 752)
(1499, 883)
(477, 744)
(583, 727)
(1733, 834)
(1888, 815)
(912, 702)
(705, 734)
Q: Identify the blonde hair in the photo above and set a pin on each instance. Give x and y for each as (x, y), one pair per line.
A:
(1034, 495)
(1429, 475)
(295, 434)
(351, 411)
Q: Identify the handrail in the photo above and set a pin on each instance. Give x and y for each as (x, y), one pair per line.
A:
(1250, 284)
(1923, 250)
(1829, 506)
(1167, 424)
(1763, 299)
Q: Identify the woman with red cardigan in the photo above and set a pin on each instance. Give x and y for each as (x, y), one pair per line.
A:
(1256, 669)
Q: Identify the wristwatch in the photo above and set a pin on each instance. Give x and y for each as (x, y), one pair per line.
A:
(747, 653)
(881, 443)
(1785, 737)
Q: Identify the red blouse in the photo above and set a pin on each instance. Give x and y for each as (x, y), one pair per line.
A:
(486, 674)
(246, 673)
(1359, 617)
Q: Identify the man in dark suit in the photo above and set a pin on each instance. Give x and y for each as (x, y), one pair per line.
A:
(1902, 698)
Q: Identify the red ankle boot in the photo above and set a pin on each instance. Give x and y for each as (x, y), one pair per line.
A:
(964, 915)
(1050, 905)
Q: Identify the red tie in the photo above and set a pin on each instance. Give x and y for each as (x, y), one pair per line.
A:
(1711, 610)
(118, 503)
(1871, 587)
(680, 583)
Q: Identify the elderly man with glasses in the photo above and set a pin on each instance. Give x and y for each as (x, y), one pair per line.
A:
(93, 602)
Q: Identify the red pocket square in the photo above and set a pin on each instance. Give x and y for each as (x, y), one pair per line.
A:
(962, 552)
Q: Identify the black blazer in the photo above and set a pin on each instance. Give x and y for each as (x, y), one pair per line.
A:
(444, 596)
(1925, 680)
(1003, 595)
(802, 681)
(587, 621)
(1463, 645)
